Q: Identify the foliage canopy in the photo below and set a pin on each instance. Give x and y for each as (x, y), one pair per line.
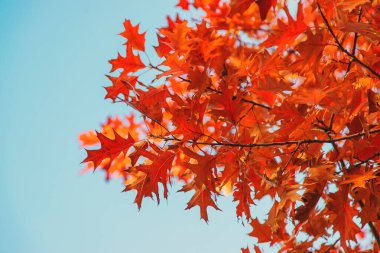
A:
(254, 99)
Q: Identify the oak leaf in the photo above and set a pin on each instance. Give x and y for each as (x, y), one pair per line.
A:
(131, 63)
(109, 148)
(247, 98)
(135, 40)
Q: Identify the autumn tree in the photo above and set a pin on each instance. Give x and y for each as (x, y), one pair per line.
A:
(256, 99)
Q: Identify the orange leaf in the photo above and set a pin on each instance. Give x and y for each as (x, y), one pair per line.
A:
(184, 4)
(202, 198)
(130, 63)
(110, 148)
(134, 39)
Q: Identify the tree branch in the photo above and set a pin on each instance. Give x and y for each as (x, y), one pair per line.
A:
(331, 246)
(340, 46)
(374, 231)
(211, 89)
(244, 100)
(355, 41)
(367, 160)
(291, 156)
(163, 71)
(271, 144)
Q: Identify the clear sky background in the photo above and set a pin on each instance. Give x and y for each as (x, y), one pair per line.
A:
(53, 58)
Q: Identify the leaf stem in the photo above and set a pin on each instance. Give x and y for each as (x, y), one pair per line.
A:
(355, 41)
(366, 161)
(244, 100)
(374, 231)
(291, 156)
(331, 246)
(354, 58)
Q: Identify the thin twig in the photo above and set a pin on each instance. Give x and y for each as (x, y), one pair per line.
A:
(144, 114)
(211, 89)
(354, 58)
(355, 41)
(331, 121)
(244, 100)
(331, 246)
(291, 156)
(374, 231)
(272, 144)
(163, 71)
(367, 160)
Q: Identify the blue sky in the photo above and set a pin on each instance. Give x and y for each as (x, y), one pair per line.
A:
(52, 68)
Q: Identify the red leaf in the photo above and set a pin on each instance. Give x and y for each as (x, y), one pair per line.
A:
(264, 6)
(108, 148)
(261, 231)
(158, 170)
(184, 4)
(252, 100)
(245, 250)
(240, 6)
(135, 40)
(120, 85)
(130, 63)
(202, 198)
(141, 185)
(242, 194)
(163, 48)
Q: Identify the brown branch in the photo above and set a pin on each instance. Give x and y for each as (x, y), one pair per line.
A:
(291, 156)
(211, 89)
(246, 114)
(367, 160)
(331, 246)
(154, 120)
(331, 121)
(244, 100)
(355, 41)
(340, 46)
(328, 130)
(256, 104)
(339, 61)
(163, 71)
(374, 231)
(272, 144)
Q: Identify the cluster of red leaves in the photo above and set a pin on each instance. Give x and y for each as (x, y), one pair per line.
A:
(257, 99)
